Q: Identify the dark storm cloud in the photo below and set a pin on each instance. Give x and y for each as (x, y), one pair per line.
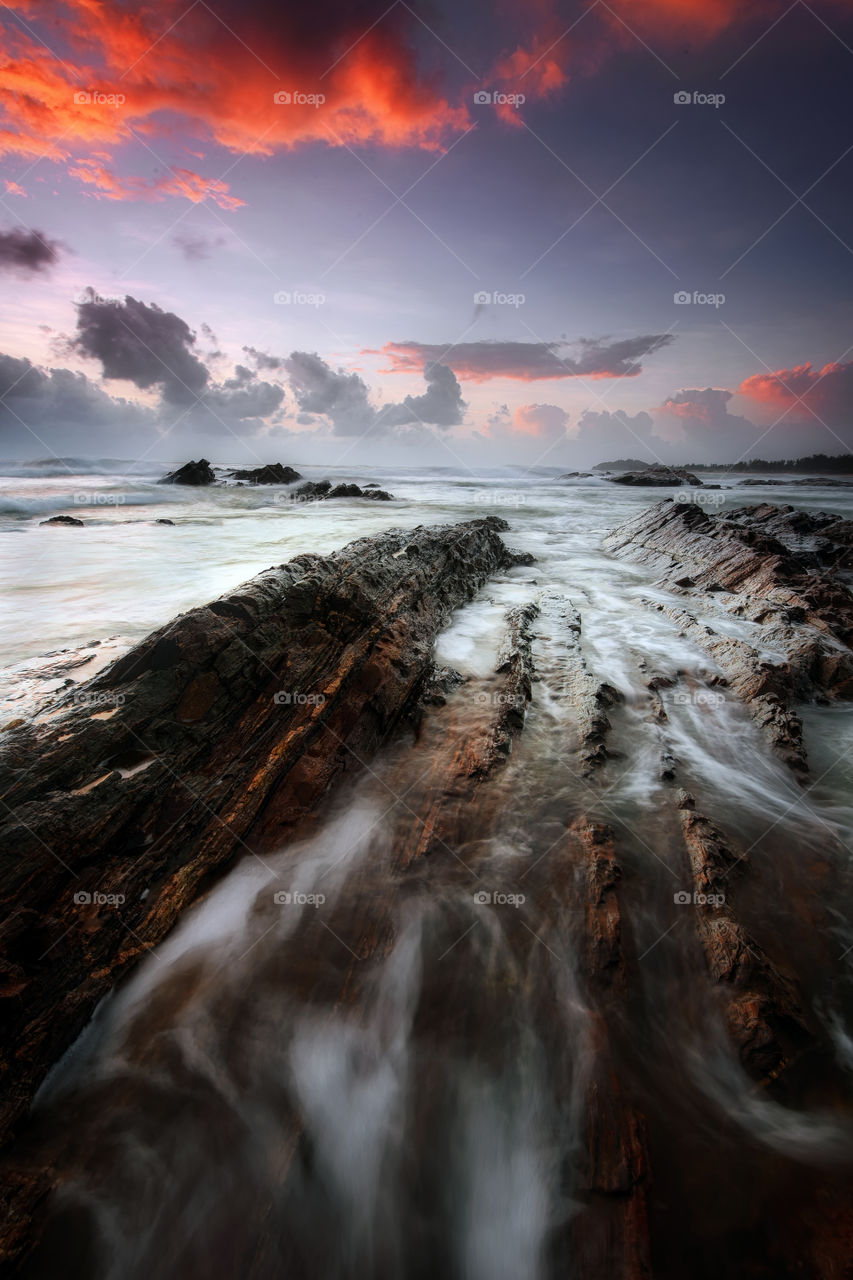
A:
(142, 344)
(345, 398)
(441, 405)
(27, 252)
(531, 361)
(63, 408)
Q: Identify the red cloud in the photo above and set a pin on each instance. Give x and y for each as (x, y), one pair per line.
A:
(812, 395)
(217, 71)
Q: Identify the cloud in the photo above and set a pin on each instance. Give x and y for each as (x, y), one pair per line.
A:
(441, 405)
(530, 361)
(699, 422)
(142, 344)
(26, 252)
(606, 435)
(805, 394)
(212, 73)
(62, 405)
(535, 421)
(178, 182)
(344, 398)
(196, 248)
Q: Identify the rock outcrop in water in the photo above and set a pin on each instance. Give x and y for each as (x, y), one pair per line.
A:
(656, 475)
(776, 571)
(215, 736)
(272, 473)
(66, 520)
(191, 473)
(320, 490)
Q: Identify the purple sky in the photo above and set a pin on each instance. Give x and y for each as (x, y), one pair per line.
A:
(458, 281)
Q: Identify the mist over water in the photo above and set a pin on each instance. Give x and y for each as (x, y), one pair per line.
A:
(253, 1102)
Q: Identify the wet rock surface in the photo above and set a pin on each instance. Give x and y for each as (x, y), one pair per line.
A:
(272, 473)
(216, 735)
(774, 568)
(192, 473)
(656, 474)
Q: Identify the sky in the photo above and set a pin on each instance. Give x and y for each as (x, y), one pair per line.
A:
(477, 234)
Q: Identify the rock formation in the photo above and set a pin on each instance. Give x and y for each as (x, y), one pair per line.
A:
(191, 473)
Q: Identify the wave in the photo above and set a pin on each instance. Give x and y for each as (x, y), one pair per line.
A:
(44, 468)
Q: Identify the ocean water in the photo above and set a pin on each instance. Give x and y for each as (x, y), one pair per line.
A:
(429, 1141)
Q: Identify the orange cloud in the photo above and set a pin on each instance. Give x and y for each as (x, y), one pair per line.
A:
(179, 182)
(809, 393)
(338, 81)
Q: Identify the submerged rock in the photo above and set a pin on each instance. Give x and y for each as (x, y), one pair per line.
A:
(68, 520)
(191, 473)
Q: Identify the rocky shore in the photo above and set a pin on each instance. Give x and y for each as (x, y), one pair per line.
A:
(778, 570)
(225, 733)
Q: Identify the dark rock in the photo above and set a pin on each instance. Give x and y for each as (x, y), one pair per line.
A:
(657, 474)
(164, 522)
(318, 490)
(192, 473)
(68, 520)
(272, 473)
(206, 707)
(769, 565)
